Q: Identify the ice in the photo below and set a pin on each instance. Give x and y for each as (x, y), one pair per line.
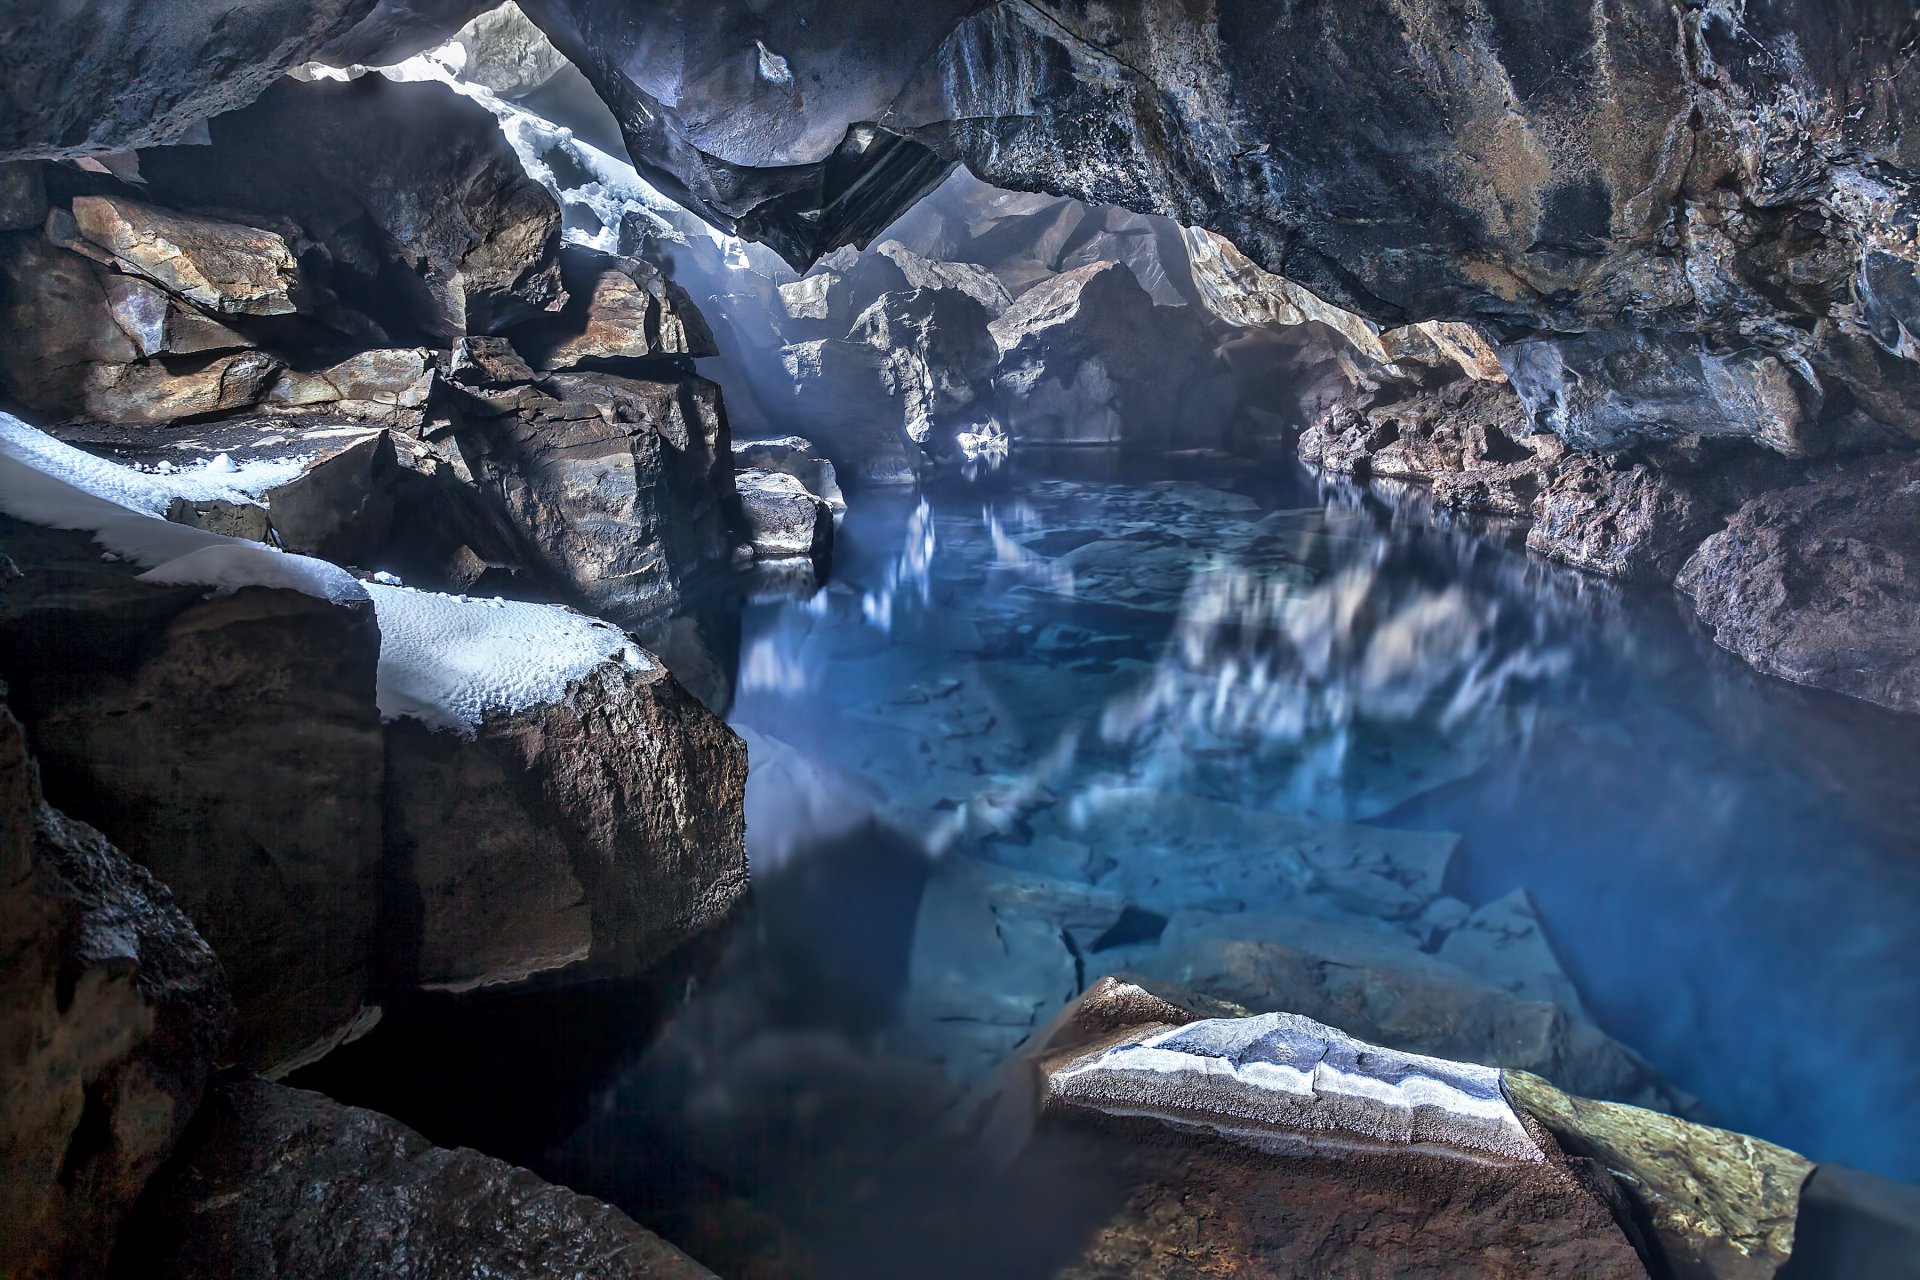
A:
(452, 661)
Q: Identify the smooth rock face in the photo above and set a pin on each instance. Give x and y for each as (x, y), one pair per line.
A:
(605, 827)
(285, 1184)
(224, 267)
(782, 519)
(229, 745)
(112, 1013)
(1816, 583)
(615, 485)
(419, 213)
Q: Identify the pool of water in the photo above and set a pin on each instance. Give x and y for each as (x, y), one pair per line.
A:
(1289, 744)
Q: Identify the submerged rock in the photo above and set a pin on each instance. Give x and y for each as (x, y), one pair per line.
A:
(287, 1184)
(1816, 583)
(112, 1013)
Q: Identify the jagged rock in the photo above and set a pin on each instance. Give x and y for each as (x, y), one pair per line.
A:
(617, 486)
(112, 1013)
(1816, 582)
(285, 1184)
(228, 519)
(225, 267)
(617, 309)
(417, 211)
(158, 325)
(796, 457)
(899, 269)
(507, 53)
(939, 360)
(1086, 358)
(478, 362)
(783, 520)
(392, 30)
(231, 746)
(1276, 1145)
(341, 508)
(69, 91)
(372, 384)
(1720, 1206)
(850, 412)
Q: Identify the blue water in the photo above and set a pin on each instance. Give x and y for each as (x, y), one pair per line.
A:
(1726, 867)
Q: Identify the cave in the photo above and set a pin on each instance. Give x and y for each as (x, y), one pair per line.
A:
(1040, 638)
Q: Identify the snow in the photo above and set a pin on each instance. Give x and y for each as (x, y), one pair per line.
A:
(47, 483)
(1284, 1080)
(452, 661)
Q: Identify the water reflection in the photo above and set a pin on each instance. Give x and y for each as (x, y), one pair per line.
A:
(1244, 732)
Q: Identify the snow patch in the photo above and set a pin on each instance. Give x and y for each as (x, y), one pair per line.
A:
(451, 661)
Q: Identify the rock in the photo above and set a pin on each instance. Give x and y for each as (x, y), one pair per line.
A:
(850, 412)
(23, 196)
(782, 519)
(1626, 520)
(69, 92)
(915, 272)
(1271, 1145)
(372, 384)
(507, 53)
(231, 746)
(283, 1183)
(1719, 1205)
(796, 457)
(1854, 1223)
(938, 365)
(617, 487)
(155, 392)
(55, 325)
(1086, 358)
(225, 267)
(601, 829)
(1369, 980)
(480, 362)
(419, 214)
(112, 1013)
(158, 325)
(228, 519)
(617, 309)
(1815, 583)
(1503, 944)
(341, 508)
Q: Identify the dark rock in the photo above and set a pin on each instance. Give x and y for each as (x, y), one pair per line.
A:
(229, 519)
(342, 507)
(282, 1184)
(782, 519)
(393, 30)
(850, 412)
(1854, 1223)
(603, 828)
(416, 209)
(617, 487)
(796, 457)
(617, 309)
(391, 385)
(939, 361)
(112, 1013)
(231, 746)
(23, 196)
(1815, 583)
(82, 79)
(480, 362)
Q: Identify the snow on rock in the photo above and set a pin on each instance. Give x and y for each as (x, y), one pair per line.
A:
(1285, 1081)
(451, 661)
(216, 478)
(47, 483)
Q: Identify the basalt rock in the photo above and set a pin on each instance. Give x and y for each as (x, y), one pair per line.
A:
(224, 267)
(783, 521)
(796, 457)
(390, 384)
(615, 486)
(618, 309)
(412, 206)
(1816, 582)
(112, 1013)
(231, 746)
(849, 411)
(283, 1184)
(939, 361)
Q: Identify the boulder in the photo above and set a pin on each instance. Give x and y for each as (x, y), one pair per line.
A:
(1086, 358)
(617, 309)
(1815, 582)
(112, 1013)
(342, 506)
(231, 746)
(782, 519)
(283, 1184)
(225, 267)
(794, 456)
(841, 390)
(939, 361)
(159, 325)
(389, 384)
(617, 487)
(1621, 518)
(568, 805)
(1276, 1145)
(157, 392)
(416, 209)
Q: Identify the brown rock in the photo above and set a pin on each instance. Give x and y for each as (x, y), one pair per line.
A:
(154, 392)
(158, 325)
(229, 519)
(618, 309)
(606, 827)
(226, 267)
(388, 384)
(282, 1184)
(112, 1011)
(1815, 583)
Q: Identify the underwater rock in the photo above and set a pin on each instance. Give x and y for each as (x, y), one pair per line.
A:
(1815, 583)
(278, 1182)
(112, 1014)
